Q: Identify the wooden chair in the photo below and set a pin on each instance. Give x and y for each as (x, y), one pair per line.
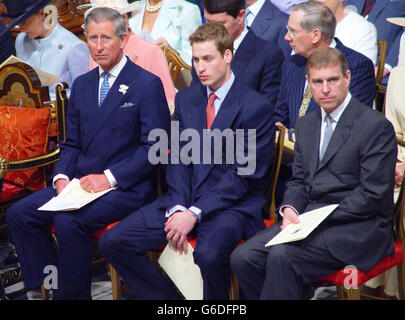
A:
(351, 290)
(381, 89)
(180, 71)
(21, 93)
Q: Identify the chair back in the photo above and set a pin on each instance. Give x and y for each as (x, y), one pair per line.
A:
(276, 160)
(381, 89)
(179, 70)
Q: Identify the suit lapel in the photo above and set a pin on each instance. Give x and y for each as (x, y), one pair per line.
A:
(378, 7)
(340, 134)
(261, 22)
(110, 103)
(244, 54)
(314, 147)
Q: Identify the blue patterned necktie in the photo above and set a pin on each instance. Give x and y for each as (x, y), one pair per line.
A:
(105, 86)
(327, 134)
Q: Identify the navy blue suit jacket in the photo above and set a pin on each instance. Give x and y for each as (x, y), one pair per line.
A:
(217, 187)
(270, 25)
(258, 64)
(114, 135)
(362, 84)
(382, 10)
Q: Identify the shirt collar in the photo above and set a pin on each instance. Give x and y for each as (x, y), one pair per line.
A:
(239, 39)
(115, 71)
(256, 7)
(222, 91)
(335, 114)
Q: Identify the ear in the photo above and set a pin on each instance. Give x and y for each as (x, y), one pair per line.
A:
(228, 55)
(124, 40)
(241, 15)
(348, 76)
(316, 36)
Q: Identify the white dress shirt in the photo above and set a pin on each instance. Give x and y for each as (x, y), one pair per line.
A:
(253, 11)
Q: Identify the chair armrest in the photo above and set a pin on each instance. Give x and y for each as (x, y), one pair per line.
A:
(36, 162)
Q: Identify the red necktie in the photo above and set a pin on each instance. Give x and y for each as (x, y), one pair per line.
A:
(368, 5)
(211, 110)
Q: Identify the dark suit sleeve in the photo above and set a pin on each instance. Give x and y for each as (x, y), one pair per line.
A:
(297, 190)
(72, 147)
(178, 175)
(374, 194)
(154, 114)
(282, 111)
(233, 186)
(393, 51)
(362, 83)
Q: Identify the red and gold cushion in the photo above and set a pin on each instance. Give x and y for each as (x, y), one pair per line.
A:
(24, 135)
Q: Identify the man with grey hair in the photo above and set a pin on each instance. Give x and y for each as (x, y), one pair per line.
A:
(311, 25)
(111, 111)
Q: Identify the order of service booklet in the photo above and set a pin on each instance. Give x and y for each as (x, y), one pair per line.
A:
(308, 222)
(182, 270)
(72, 197)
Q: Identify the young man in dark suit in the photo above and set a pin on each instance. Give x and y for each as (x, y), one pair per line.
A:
(111, 111)
(214, 201)
(256, 62)
(345, 154)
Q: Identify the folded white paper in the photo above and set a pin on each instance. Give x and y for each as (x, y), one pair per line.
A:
(308, 222)
(72, 197)
(184, 273)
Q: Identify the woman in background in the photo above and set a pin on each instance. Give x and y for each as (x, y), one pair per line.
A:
(168, 23)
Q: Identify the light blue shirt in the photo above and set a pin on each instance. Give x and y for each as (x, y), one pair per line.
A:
(61, 54)
(221, 93)
(284, 5)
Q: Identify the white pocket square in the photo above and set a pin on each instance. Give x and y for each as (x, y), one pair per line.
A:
(127, 105)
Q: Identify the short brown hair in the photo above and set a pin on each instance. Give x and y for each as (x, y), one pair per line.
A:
(326, 56)
(213, 31)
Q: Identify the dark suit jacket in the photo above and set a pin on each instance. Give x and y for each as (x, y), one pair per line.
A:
(7, 44)
(378, 15)
(115, 135)
(217, 187)
(356, 172)
(258, 64)
(362, 84)
(270, 25)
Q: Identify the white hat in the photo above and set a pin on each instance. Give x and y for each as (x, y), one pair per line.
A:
(397, 20)
(120, 5)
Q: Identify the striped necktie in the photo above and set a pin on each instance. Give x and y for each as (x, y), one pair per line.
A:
(327, 134)
(305, 102)
(368, 5)
(105, 86)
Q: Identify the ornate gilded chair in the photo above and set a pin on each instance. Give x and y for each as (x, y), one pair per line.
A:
(381, 89)
(31, 127)
(180, 71)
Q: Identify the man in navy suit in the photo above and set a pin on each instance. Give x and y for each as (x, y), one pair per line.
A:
(111, 111)
(267, 22)
(312, 25)
(215, 201)
(256, 62)
(378, 14)
(345, 154)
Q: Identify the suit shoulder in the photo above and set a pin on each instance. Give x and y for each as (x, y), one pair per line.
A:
(354, 57)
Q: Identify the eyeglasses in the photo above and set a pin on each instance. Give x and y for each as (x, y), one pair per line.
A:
(292, 33)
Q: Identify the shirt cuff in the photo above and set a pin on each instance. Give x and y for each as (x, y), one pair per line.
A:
(280, 211)
(59, 176)
(175, 209)
(388, 67)
(111, 179)
(197, 212)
